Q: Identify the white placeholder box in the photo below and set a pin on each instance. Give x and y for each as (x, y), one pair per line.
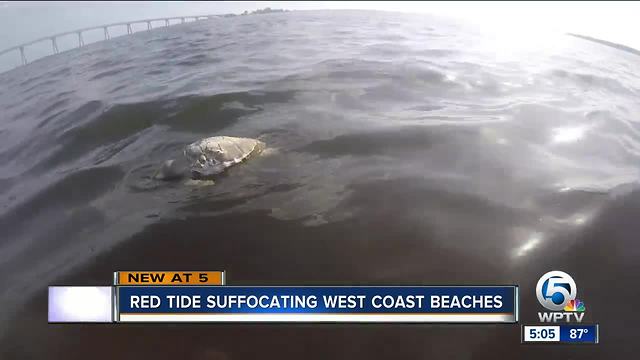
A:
(73, 304)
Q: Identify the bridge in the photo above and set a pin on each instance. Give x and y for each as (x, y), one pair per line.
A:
(129, 26)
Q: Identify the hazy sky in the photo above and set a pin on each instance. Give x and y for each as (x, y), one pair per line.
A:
(613, 21)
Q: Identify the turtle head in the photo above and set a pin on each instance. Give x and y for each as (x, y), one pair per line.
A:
(172, 170)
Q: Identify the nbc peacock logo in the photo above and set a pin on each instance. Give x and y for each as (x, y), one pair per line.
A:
(575, 306)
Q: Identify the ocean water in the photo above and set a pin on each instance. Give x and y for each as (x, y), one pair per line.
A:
(403, 149)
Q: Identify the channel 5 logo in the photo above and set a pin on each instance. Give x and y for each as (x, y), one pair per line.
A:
(556, 291)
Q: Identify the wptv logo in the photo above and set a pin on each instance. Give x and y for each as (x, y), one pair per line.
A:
(556, 291)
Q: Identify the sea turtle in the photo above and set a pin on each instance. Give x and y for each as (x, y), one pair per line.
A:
(208, 157)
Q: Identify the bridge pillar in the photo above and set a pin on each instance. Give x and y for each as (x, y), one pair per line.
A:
(80, 39)
(166, 22)
(129, 29)
(54, 45)
(107, 36)
(24, 58)
(148, 25)
(182, 20)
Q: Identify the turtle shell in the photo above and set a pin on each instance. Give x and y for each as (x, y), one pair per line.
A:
(213, 155)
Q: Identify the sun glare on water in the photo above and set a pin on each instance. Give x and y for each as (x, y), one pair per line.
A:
(568, 134)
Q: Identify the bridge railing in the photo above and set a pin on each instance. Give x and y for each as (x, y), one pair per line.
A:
(129, 26)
